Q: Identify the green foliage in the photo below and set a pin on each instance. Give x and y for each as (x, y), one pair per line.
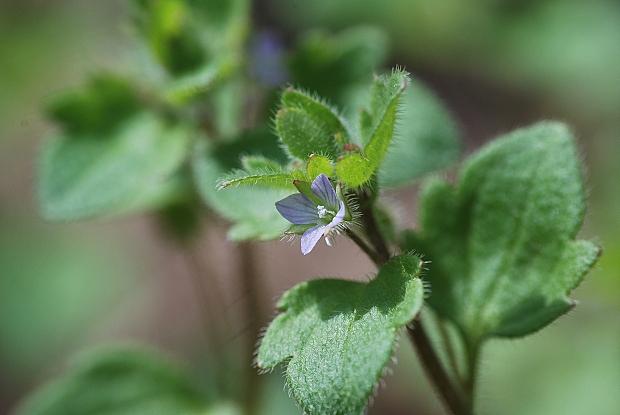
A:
(426, 138)
(377, 127)
(104, 103)
(199, 83)
(132, 168)
(121, 382)
(307, 126)
(329, 64)
(317, 165)
(502, 242)
(338, 335)
(252, 210)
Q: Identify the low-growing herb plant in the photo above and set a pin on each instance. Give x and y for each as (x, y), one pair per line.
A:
(209, 130)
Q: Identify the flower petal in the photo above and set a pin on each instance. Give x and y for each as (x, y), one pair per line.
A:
(324, 190)
(310, 238)
(298, 209)
(338, 218)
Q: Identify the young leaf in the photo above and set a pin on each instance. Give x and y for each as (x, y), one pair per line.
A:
(338, 335)
(120, 382)
(356, 169)
(83, 175)
(307, 126)
(251, 209)
(502, 243)
(426, 138)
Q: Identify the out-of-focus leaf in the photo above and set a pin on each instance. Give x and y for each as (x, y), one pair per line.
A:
(357, 168)
(502, 243)
(252, 210)
(82, 175)
(425, 140)
(196, 84)
(122, 382)
(102, 105)
(338, 335)
(327, 64)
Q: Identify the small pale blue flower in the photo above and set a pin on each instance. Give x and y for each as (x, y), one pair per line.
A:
(300, 209)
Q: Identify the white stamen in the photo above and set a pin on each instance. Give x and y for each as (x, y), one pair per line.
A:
(324, 212)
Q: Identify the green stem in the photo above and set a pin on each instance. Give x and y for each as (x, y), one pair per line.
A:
(473, 352)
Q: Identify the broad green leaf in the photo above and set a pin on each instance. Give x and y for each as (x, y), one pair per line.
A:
(328, 64)
(355, 169)
(251, 209)
(105, 102)
(502, 243)
(200, 82)
(83, 175)
(121, 382)
(317, 165)
(426, 138)
(337, 336)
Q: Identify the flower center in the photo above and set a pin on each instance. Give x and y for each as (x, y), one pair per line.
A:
(323, 212)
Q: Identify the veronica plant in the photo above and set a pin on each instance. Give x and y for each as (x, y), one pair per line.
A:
(188, 142)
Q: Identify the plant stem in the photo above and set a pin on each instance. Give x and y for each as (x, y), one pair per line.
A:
(210, 304)
(379, 253)
(254, 316)
(451, 394)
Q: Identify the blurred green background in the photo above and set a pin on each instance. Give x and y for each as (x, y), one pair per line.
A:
(496, 64)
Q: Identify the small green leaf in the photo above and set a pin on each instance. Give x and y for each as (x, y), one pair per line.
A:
(338, 335)
(502, 243)
(278, 179)
(426, 138)
(303, 134)
(83, 175)
(251, 209)
(119, 382)
(317, 165)
(334, 124)
(356, 169)
(307, 126)
(255, 164)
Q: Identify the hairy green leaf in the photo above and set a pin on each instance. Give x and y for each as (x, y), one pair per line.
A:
(502, 246)
(121, 382)
(83, 175)
(338, 335)
(308, 126)
(426, 138)
(319, 165)
(279, 179)
(355, 169)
